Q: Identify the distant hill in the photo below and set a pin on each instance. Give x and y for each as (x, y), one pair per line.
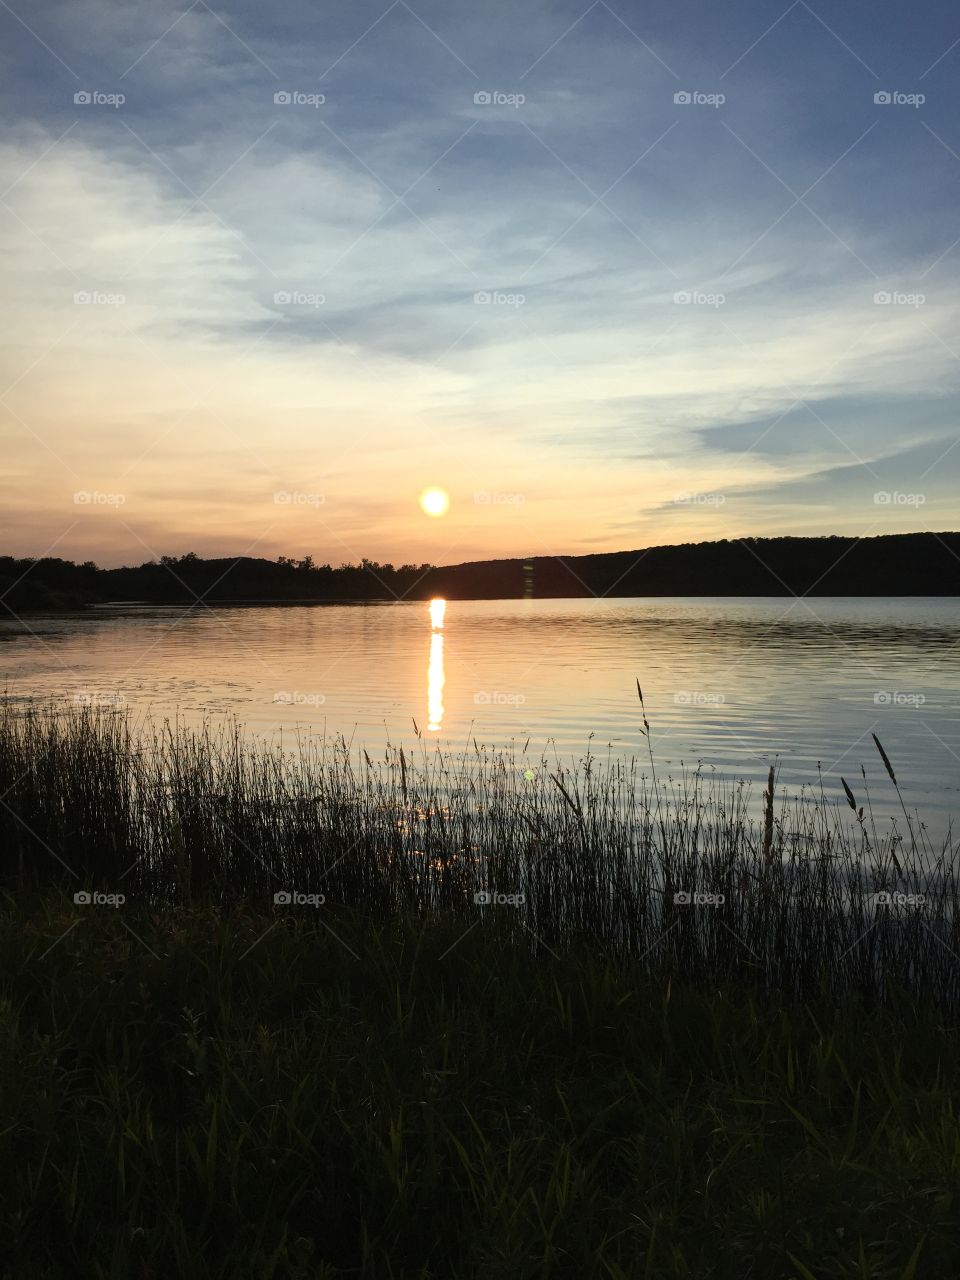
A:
(889, 564)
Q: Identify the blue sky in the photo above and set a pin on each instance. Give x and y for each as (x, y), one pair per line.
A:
(716, 276)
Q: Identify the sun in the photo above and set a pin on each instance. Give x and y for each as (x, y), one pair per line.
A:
(435, 502)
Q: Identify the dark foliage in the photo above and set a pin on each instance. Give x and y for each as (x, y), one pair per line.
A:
(892, 564)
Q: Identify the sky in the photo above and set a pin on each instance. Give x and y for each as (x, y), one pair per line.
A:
(612, 275)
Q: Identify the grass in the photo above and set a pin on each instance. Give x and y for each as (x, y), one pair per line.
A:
(597, 1080)
(598, 854)
(197, 1093)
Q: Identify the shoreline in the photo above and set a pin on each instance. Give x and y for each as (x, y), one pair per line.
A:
(679, 873)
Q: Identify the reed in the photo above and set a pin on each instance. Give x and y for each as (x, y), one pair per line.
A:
(677, 874)
(594, 1079)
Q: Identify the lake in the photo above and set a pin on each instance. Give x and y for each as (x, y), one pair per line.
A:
(737, 684)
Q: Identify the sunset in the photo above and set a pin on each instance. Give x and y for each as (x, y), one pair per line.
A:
(480, 584)
(435, 502)
(250, 253)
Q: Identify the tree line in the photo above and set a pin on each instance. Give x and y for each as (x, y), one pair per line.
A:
(912, 564)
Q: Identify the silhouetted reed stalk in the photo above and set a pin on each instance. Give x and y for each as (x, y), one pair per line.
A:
(175, 815)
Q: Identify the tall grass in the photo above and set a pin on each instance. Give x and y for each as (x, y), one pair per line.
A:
(597, 1078)
(602, 853)
(202, 1097)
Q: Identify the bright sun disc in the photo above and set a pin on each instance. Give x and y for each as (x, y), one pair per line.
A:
(435, 502)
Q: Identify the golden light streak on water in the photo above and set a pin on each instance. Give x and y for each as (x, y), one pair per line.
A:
(435, 683)
(435, 677)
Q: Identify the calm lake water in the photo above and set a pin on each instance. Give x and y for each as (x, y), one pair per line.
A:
(736, 684)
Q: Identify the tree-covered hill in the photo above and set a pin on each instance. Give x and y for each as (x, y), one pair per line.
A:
(886, 565)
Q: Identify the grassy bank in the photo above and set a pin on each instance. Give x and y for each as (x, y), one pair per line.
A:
(219, 1094)
(255, 1020)
(680, 874)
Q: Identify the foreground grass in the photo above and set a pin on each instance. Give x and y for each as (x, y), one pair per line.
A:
(211, 1093)
(681, 873)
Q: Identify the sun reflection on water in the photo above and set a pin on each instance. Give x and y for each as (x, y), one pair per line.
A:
(435, 677)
